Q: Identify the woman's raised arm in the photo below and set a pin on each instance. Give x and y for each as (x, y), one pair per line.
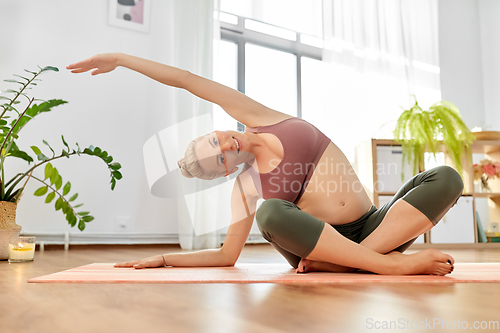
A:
(236, 104)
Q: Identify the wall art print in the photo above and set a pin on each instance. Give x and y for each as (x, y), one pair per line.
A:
(130, 14)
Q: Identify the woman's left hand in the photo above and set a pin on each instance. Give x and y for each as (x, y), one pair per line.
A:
(100, 63)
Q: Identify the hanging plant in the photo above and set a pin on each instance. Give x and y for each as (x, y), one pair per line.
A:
(420, 131)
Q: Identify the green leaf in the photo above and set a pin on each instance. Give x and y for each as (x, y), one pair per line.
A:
(8, 106)
(21, 154)
(79, 205)
(36, 150)
(81, 225)
(33, 110)
(52, 150)
(50, 68)
(50, 197)
(67, 188)
(64, 207)
(20, 124)
(113, 184)
(16, 195)
(48, 105)
(104, 155)
(69, 214)
(73, 220)
(83, 213)
(48, 170)
(117, 175)
(65, 143)
(59, 203)
(10, 91)
(115, 166)
(14, 81)
(58, 182)
(97, 151)
(53, 176)
(22, 77)
(73, 198)
(42, 157)
(41, 191)
(108, 160)
(87, 218)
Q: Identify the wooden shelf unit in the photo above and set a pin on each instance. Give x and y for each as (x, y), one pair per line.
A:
(366, 169)
(491, 150)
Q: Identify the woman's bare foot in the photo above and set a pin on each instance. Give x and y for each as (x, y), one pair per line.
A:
(427, 262)
(306, 265)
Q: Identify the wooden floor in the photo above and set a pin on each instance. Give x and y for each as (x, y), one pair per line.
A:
(96, 308)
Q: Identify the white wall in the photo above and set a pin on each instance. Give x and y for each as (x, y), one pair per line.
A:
(469, 47)
(469, 33)
(460, 59)
(489, 12)
(117, 111)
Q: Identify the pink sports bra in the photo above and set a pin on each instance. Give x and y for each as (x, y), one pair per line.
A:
(303, 145)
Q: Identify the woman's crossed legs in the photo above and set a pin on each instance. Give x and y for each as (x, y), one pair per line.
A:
(310, 244)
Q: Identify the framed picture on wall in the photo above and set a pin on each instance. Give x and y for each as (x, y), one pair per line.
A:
(130, 14)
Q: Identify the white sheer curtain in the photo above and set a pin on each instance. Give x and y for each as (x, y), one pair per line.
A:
(195, 29)
(378, 53)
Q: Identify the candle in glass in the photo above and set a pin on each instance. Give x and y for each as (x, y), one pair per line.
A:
(22, 249)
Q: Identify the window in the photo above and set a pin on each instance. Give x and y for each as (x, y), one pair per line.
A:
(295, 15)
(358, 93)
(265, 61)
(226, 73)
(271, 78)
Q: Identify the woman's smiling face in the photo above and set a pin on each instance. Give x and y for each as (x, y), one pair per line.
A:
(222, 151)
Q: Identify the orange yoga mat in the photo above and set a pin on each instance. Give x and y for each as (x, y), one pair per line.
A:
(256, 273)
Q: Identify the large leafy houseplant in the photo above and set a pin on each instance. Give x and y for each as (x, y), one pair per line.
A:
(12, 122)
(421, 131)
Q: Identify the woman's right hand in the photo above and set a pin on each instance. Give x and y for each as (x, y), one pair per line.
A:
(100, 63)
(156, 261)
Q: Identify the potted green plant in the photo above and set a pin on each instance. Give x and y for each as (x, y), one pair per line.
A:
(12, 122)
(421, 131)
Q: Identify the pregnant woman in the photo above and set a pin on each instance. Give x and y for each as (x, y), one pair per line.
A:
(316, 212)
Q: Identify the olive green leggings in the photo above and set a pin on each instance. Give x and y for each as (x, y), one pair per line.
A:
(294, 233)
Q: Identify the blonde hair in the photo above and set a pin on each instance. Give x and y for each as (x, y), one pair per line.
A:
(190, 166)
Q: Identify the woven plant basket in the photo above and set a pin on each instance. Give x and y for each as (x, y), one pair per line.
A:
(8, 227)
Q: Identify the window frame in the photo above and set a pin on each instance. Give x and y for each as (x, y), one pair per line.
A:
(239, 35)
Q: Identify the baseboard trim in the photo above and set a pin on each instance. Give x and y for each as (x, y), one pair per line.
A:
(138, 238)
(455, 246)
(69, 238)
